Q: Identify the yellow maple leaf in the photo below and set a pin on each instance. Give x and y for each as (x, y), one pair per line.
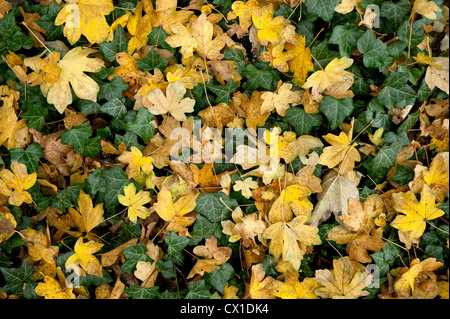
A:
(244, 11)
(165, 14)
(87, 217)
(284, 238)
(292, 288)
(70, 69)
(182, 38)
(269, 28)
(347, 6)
(139, 27)
(202, 31)
(83, 257)
(258, 287)
(425, 8)
(174, 213)
(246, 228)
(409, 278)
(437, 176)
(333, 79)
(50, 289)
(135, 202)
(293, 200)
(280, 100)
(301, 63)
(342, 152)
(9, 123)
(172, 102)
(346, 281)
(85, 17)
(19, 181)
(39, 246)
(415, 214)
(136, 162)
(128, 69)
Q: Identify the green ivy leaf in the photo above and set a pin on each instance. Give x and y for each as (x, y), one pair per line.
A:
(137, 292)
(141, 125)
(345, 36)
(302, 122)
(152, 61)
(15, 277)
(35, 117)
(198, 290)
(336, 110)
(396, 91)
(215, 206)
(118, 44)
(77, 137)
(323, 8)
(257, 78)
(372, 48)
(134, 254)
(29, 156)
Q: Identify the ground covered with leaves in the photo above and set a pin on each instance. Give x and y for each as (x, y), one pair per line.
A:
(219, 149)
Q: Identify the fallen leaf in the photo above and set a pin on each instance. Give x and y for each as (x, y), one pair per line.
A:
(85, 17)
(346, 281)
(336, 191)
(135, 202)
(415, 214)
(19, 181)
(83, 256)
(284, 238)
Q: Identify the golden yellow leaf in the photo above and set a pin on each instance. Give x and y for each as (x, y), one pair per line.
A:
(269, 28)
(280, 100)
(56, 75)
(136, 162)
(9, 123)
(135, 202)
(284, 238)
(19, 181)
(50, 289)
(292, 288)
(87, 217)
(202, 31)
(182, 38)
(301, 63)
(346, 281)
(342, 152)
(139, 27)
(415, 214)
(83, 257)
(85, 17)
(293, 200)
(165, 14)
(258, 287)
(244, 11)
(333, 79)
(174, 213)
